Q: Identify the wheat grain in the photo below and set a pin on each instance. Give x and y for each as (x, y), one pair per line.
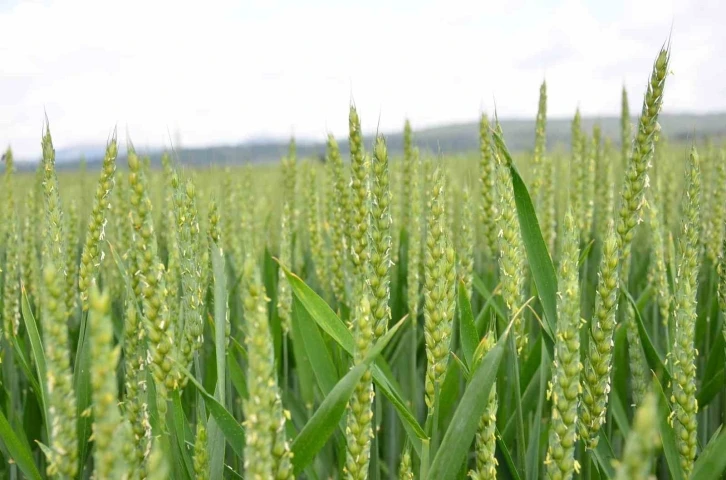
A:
(565, 386)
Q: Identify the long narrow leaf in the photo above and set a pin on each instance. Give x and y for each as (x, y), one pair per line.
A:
(710, 465)
(178, 423)
(317, 351)
(489, 297)
(667, 436)
(38, 355)
(467, 328)
(316, 432)
(333, 326)
(543, 272)
(327, 417)
(654, 359)
(461, 431)
(508, 460)
(233, 431)
(533, 448)
(20, 358)
(215, 443)
(604, 456)
(82, 386)
(710, 388)
(17, 450)
(237, 376)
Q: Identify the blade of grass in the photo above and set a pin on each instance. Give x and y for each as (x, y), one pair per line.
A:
(489, 297)
(513, 364)
(317, 351)
(327, 417)
(711, 463)
(19, 452)
(323, 423)
(230, 427)
(620, 381)
(508, 461)
(713, 374)
(533, 447)
(20, 357)
(237, 376)
(468, 334)
(461, 431)
(329, 322)
(620, 414)
(654, 359)
(711, 388)
(530, 398)
(532, 364)
(604, 456)
(585, 253)
(543, 272)
(215, 442)
(448, 396)
(82, 385)
(36, 347)
(178, 422)
(303, 367)
(667, 436)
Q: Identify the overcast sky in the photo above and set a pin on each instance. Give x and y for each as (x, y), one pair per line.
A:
(227, 71)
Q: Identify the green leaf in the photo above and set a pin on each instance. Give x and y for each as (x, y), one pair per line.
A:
(461, 431)
(585, 253)
(508, 460)
(321, 312)
(237, 376)
(655, 361)
(19, 452)
(220, 318)
(710, 388)
(306, 332)
(303, 368)
(178, 423)
(467, 328)
(82, 386)
(333, 326)
(533, 447)
(644, 297)
(36, 347)
(513, 366)
(713, 375)
(233, 431)
(540, 263)
(711, 463)
(215, 442)
(122, 270)
(619, 413)
(316, 432)
(462, 366)
(604, 456)
(667, 436)
(21, 359)
(530, 399)
(448, 395)
(620, 380)
(323, 423)
(532, 364)
(489, 297)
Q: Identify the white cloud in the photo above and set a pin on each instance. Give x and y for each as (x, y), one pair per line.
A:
(223, 71)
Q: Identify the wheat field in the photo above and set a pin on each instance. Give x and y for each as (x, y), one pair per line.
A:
(545, 314)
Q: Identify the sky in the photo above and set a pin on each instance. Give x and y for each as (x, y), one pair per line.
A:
(223, 72)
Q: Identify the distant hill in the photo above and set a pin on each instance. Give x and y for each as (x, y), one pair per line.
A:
(448, 139)
(519, 134)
